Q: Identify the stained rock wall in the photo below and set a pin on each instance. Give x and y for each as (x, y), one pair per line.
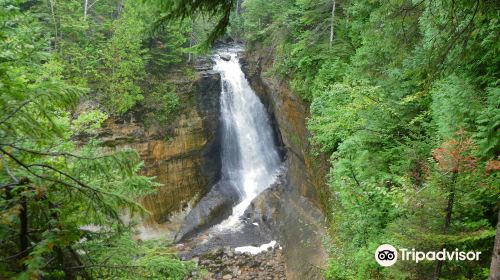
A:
(306, 171)
(183, 155)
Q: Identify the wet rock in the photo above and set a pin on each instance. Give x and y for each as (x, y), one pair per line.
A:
(214, 207)
(264, 209)
(225, 57)
(203, 64)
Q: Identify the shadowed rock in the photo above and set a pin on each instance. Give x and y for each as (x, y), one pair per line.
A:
(214, 207)
(225, 57)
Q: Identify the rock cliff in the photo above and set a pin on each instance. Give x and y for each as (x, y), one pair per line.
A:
(307, 172)
(183, 154)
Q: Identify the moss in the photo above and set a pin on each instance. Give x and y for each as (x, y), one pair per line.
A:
(295, 139)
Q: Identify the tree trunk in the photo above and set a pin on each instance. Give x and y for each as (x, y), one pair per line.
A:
(447, 222)
(190, 45)
(23, 232)
(495, 256)
(56, 30)
(85, 9)
(120, 8)
(238, 7)
(191, 40)
(331, 23)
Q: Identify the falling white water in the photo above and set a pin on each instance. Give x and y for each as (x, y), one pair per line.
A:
(250, 160)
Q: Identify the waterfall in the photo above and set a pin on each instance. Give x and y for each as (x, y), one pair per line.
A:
(250, 158)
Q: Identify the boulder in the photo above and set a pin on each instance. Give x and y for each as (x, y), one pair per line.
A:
(225, 57)
(214, 207)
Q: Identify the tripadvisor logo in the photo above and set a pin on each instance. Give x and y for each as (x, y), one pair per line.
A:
(387, 255)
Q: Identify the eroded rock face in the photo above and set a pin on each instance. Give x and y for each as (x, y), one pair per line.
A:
(298, 225)
(214, 207)
(306, 172)
(183, 155)
(296, 215)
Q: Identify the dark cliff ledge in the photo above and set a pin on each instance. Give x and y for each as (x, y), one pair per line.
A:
(184, 153)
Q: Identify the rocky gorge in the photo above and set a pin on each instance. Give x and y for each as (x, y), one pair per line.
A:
(185, 157)
(249, 139)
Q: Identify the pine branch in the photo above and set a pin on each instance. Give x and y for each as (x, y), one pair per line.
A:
(54, 154)
(184, 9)
(96, 193)
(14, 112)
(22, 181)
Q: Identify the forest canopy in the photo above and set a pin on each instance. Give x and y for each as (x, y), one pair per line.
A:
(403, 95)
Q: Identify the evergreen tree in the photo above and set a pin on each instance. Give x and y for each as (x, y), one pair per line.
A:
(62, 202)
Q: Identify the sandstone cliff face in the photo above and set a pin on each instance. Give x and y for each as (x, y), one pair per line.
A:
(301, 219)
(184, 154)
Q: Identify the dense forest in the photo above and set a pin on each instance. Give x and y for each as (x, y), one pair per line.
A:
(404, 100)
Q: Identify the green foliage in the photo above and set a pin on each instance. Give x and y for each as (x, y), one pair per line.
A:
(170, 45)
(455, 105)
(341, 111)
(123, 61)
(136, 260)
(488, 123)
(162, 104)
(113, 49)
(89, 122)
(62, 202)
(405, 100)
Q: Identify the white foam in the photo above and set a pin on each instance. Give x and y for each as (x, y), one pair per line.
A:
(250, 158)
(256, 250)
